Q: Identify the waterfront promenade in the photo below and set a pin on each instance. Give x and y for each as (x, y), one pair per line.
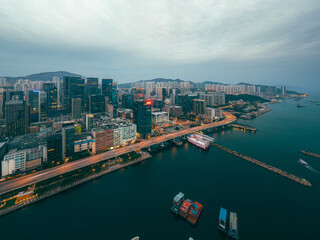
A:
(23, 181)
(36, 198)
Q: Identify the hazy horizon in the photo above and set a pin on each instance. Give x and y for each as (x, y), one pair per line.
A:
(259, 42)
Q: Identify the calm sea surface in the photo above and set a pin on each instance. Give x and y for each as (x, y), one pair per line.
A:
(136, 200)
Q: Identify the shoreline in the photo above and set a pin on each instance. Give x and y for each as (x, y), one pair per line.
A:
(60, 189)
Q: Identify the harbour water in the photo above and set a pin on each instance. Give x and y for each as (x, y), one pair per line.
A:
(136, 200)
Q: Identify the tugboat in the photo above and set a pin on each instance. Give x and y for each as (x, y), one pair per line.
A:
(185, 208)
(194, 212)
(222, 220)
(177, 201)
(233, 226)
(299, 105)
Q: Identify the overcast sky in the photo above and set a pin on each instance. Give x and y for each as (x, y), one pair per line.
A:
(256, 41)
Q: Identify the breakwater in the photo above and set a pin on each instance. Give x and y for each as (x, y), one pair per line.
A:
(266, 166)
(310, 154)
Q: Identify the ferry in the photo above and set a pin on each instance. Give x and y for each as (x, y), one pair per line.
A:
(233, 226)
(222, 220)
(177, 202)
(194, 212)
(302, 162)
(185, 208)
(197, 141)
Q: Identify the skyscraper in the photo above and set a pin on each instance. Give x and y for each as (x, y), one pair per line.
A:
(54, 148)
(142, 117)
(34, 101)
(67, 141)
(283, 90)
(17, 118)
(73, 87)
(128, 100)
(97, 103)
(76, 108)
(109, 89)
(91, 86)
(52, 96)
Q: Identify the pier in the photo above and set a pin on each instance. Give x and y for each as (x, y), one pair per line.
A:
(176, 142)
(244, 127)
(310, 154)
(290, 176)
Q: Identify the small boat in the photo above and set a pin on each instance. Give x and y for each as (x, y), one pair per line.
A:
(135, 238)
(177, 201)
(233, 226)
(299, 105)
(302, 162)
(222, 220)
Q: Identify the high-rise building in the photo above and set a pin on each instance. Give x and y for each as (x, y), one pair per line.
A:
(185, 101)
(54, 149)
(67, 141)
(73, 87)
(128, 101)
(199, 106)
(76, 108)
(14, 161)
(34, 102)
(283, 90)
(17, 118)
(10, 95)
(213, 98)
(89, 122)
(103, 140)
(142, 117)
(52, 96)
(92, 86)
(43, 106)
(97, 103)
(109, 89)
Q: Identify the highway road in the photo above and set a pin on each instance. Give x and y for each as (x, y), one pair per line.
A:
(23, 181)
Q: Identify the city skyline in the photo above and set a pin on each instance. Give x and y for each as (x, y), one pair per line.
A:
(261, 43)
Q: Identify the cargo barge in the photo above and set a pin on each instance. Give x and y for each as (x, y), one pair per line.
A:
(194, 212)
(197, 141)
(233, 226)
(187, 209)
(222, 221)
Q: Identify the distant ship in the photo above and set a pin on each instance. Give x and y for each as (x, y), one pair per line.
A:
(197, 141)
(299, 105)
(302, 162)
(314, 101)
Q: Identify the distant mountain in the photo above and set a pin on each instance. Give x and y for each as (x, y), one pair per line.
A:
(45, 76)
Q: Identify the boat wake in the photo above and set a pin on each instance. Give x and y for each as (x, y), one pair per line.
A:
(312, 169)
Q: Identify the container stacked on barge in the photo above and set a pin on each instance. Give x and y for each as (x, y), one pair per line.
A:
(197, 141)
(185, 208)
(194, 212)
(177, 202)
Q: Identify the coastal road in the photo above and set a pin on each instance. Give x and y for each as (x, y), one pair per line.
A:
(23, 181)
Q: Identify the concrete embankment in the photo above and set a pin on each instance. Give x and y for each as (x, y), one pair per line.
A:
(266, 166)
(56, 190)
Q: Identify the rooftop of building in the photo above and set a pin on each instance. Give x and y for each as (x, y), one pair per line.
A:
(82, 136)
(160, 113)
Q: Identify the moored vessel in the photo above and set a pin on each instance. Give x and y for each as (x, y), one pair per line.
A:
(177, 202)
(197, 141)
(194, 212)
(233, 226)
(185, 208)
(222, 220)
